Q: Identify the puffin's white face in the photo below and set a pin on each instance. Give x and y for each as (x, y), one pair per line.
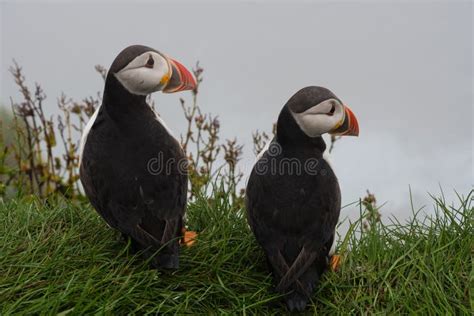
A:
(146, 73)
(321, 118)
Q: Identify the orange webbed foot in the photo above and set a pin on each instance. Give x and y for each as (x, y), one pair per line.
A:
(335, 262)
(189, 237)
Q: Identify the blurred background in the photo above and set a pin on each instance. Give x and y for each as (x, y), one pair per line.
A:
(405, 69)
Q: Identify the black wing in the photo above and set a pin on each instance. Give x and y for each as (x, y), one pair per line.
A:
(282, 205)
(293, 218)
(138, 201)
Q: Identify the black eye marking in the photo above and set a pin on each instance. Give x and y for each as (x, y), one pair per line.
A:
(333, 109)
(150, 62)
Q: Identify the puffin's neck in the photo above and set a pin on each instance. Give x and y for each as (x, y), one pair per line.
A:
(290, 135)
(121, 105)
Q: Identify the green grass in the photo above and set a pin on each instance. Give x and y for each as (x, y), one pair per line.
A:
(62, 258)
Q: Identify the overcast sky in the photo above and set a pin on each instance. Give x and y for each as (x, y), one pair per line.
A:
(405, 70)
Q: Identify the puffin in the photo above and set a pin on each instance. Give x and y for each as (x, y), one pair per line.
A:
(132, 169)
(293, 198)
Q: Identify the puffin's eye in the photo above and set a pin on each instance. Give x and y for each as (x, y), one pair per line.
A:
(150, 62)
(333, 109)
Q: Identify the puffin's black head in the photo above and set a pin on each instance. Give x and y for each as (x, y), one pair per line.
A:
(313, 111)
(142, 70)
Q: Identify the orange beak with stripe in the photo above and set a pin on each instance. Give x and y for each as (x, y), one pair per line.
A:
(179, 78)
(348, 126)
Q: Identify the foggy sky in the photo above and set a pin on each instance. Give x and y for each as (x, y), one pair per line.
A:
(404, 69)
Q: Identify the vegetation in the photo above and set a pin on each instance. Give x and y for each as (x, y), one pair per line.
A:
(60, 257)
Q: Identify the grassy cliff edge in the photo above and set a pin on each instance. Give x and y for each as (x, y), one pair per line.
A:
(59, 257)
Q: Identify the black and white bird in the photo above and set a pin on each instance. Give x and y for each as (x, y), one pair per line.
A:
(131, 167)
(293, 198)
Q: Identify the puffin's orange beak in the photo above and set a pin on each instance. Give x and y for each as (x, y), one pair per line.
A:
(181, 78)
(349, 126)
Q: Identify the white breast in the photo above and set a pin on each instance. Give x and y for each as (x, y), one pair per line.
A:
(333, 246)
(327, 158)
(159, 119)
(85, 133)
(264, 149)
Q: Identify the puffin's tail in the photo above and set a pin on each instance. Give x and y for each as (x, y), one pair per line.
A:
(299, 293)
(166, 258)
(162, 249)
(165, 261)
(298, 280)
(296, 301)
